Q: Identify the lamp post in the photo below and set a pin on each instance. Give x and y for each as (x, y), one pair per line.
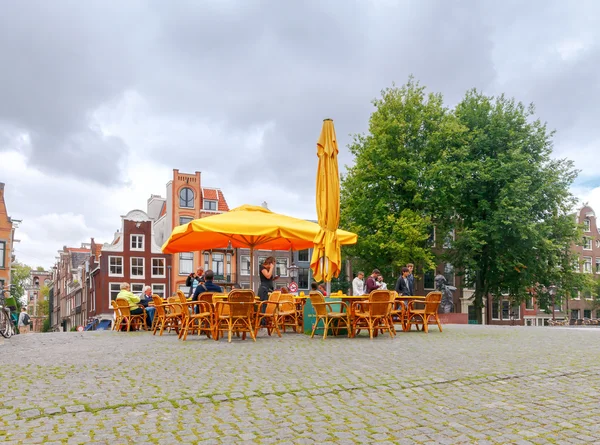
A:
(293, 269)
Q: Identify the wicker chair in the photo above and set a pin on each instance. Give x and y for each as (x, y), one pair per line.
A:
(200, 321)
(324, 311)
(288, 314)
(165, 316)
(128, 318)
(373, 314)
(267, 314)
(423, 316)
(118, 317)
(236, 314)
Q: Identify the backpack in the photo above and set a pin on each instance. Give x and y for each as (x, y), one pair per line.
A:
(26, 320)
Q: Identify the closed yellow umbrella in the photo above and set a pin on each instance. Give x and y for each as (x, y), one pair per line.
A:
(327, 258)
(247, 226)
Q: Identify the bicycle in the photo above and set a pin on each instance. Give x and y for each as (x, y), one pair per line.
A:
(7, 327)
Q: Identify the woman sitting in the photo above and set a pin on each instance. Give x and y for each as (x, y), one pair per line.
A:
(133, 300)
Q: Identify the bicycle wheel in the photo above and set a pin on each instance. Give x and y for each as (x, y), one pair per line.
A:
(4, 324)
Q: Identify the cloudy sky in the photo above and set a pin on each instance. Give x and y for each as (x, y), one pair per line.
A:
(101, 100)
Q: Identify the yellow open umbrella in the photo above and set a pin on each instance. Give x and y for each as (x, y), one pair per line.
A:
(247, 226)
(327, 258)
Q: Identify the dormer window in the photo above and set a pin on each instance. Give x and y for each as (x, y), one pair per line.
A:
(586, 225)
(210, 205)
(186, 198)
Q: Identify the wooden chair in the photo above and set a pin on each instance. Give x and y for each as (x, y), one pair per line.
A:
(165, 317)
(324, 311)
(373, 314)
(181, 296)
(200, 321)
(118, 317)
(267, 314)
(423, 316)
(126, 316)
(236, 314)
(288, 314)
(397, 312)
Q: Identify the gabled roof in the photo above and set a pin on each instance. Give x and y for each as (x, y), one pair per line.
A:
(215, 194)
(78, 258)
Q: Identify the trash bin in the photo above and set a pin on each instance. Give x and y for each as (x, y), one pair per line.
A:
(310, 317)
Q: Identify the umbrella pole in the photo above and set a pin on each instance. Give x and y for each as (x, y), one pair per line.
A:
(252, 268)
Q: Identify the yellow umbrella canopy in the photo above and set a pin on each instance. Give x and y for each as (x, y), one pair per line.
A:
(326, 259)
(247, 226)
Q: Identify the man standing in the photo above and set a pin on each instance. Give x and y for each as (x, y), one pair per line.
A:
(372, 281)
(358, 284)
(403, 286)
(24, 321)
(411, 277)
(193, 280)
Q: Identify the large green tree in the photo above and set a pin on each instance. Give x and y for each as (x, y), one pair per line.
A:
(511, 199)
(386, 195)
(19, 277)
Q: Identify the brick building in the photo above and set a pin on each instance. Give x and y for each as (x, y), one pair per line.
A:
(7, 239)
(186, 199)
(35, 297)
(133, 257)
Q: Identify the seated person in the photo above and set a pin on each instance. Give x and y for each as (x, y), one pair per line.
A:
(133, 300)
(146, 298)
(314, 286)
(284, 290)
(207, 286)
(322, 289)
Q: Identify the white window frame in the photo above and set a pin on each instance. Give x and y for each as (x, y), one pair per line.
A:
(2, 254)
(162, 267)
(287, 265)
(157, 286)
(131, 266)
(244, 272)
(191, 260)
(587, 225)
(214, 263)
(210, 201)
(113, 288)
(587, 243)
(114, 274)
(597, 264)
(206, 260)
(587, 264)
(598, 243)
(136, 243)
(245, 285)
(137, 288)
(448, 240)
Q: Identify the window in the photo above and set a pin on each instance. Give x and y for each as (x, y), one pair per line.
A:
(158, 267)
(137, 288)
(598, 243)
(303, 255)
(244, 265)
(159, 289)
(449, 273)
(281, 267)
(2, 254)
(587, 243)
(495, 311)
(448, 239)
(137, 267)
(586, 225)
(184, 220)
(186, 198)
(598, 265)
(587, 264)
(574, 314)
(529, 303)
(210, 205)
(245, 285)
(218, 264)
(186, 263)
(228, 270)
(429, 279)
(206, 260)
(505, 310)
(587, 313)
(303, 276)
(575, 294)
(431, 238)
(115, 288)
(137, 242)
(115, 266)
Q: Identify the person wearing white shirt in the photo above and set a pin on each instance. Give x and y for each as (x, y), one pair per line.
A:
(358, 285)
(380, 283)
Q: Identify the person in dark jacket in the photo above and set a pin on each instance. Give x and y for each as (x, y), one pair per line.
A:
(403, 285)
(194, 279)
(207, 285)
(371, 283)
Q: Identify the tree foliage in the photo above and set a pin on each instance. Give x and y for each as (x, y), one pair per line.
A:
(483, 169)
(19, 277)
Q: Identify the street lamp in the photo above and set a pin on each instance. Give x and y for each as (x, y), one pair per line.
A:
(552, 292)
(293, 269)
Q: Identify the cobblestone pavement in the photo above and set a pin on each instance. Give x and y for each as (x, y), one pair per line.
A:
(467, 385)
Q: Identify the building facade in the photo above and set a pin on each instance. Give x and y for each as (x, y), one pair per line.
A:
(133, 257)
(7, 240)
(186, 199)
(37, 297)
